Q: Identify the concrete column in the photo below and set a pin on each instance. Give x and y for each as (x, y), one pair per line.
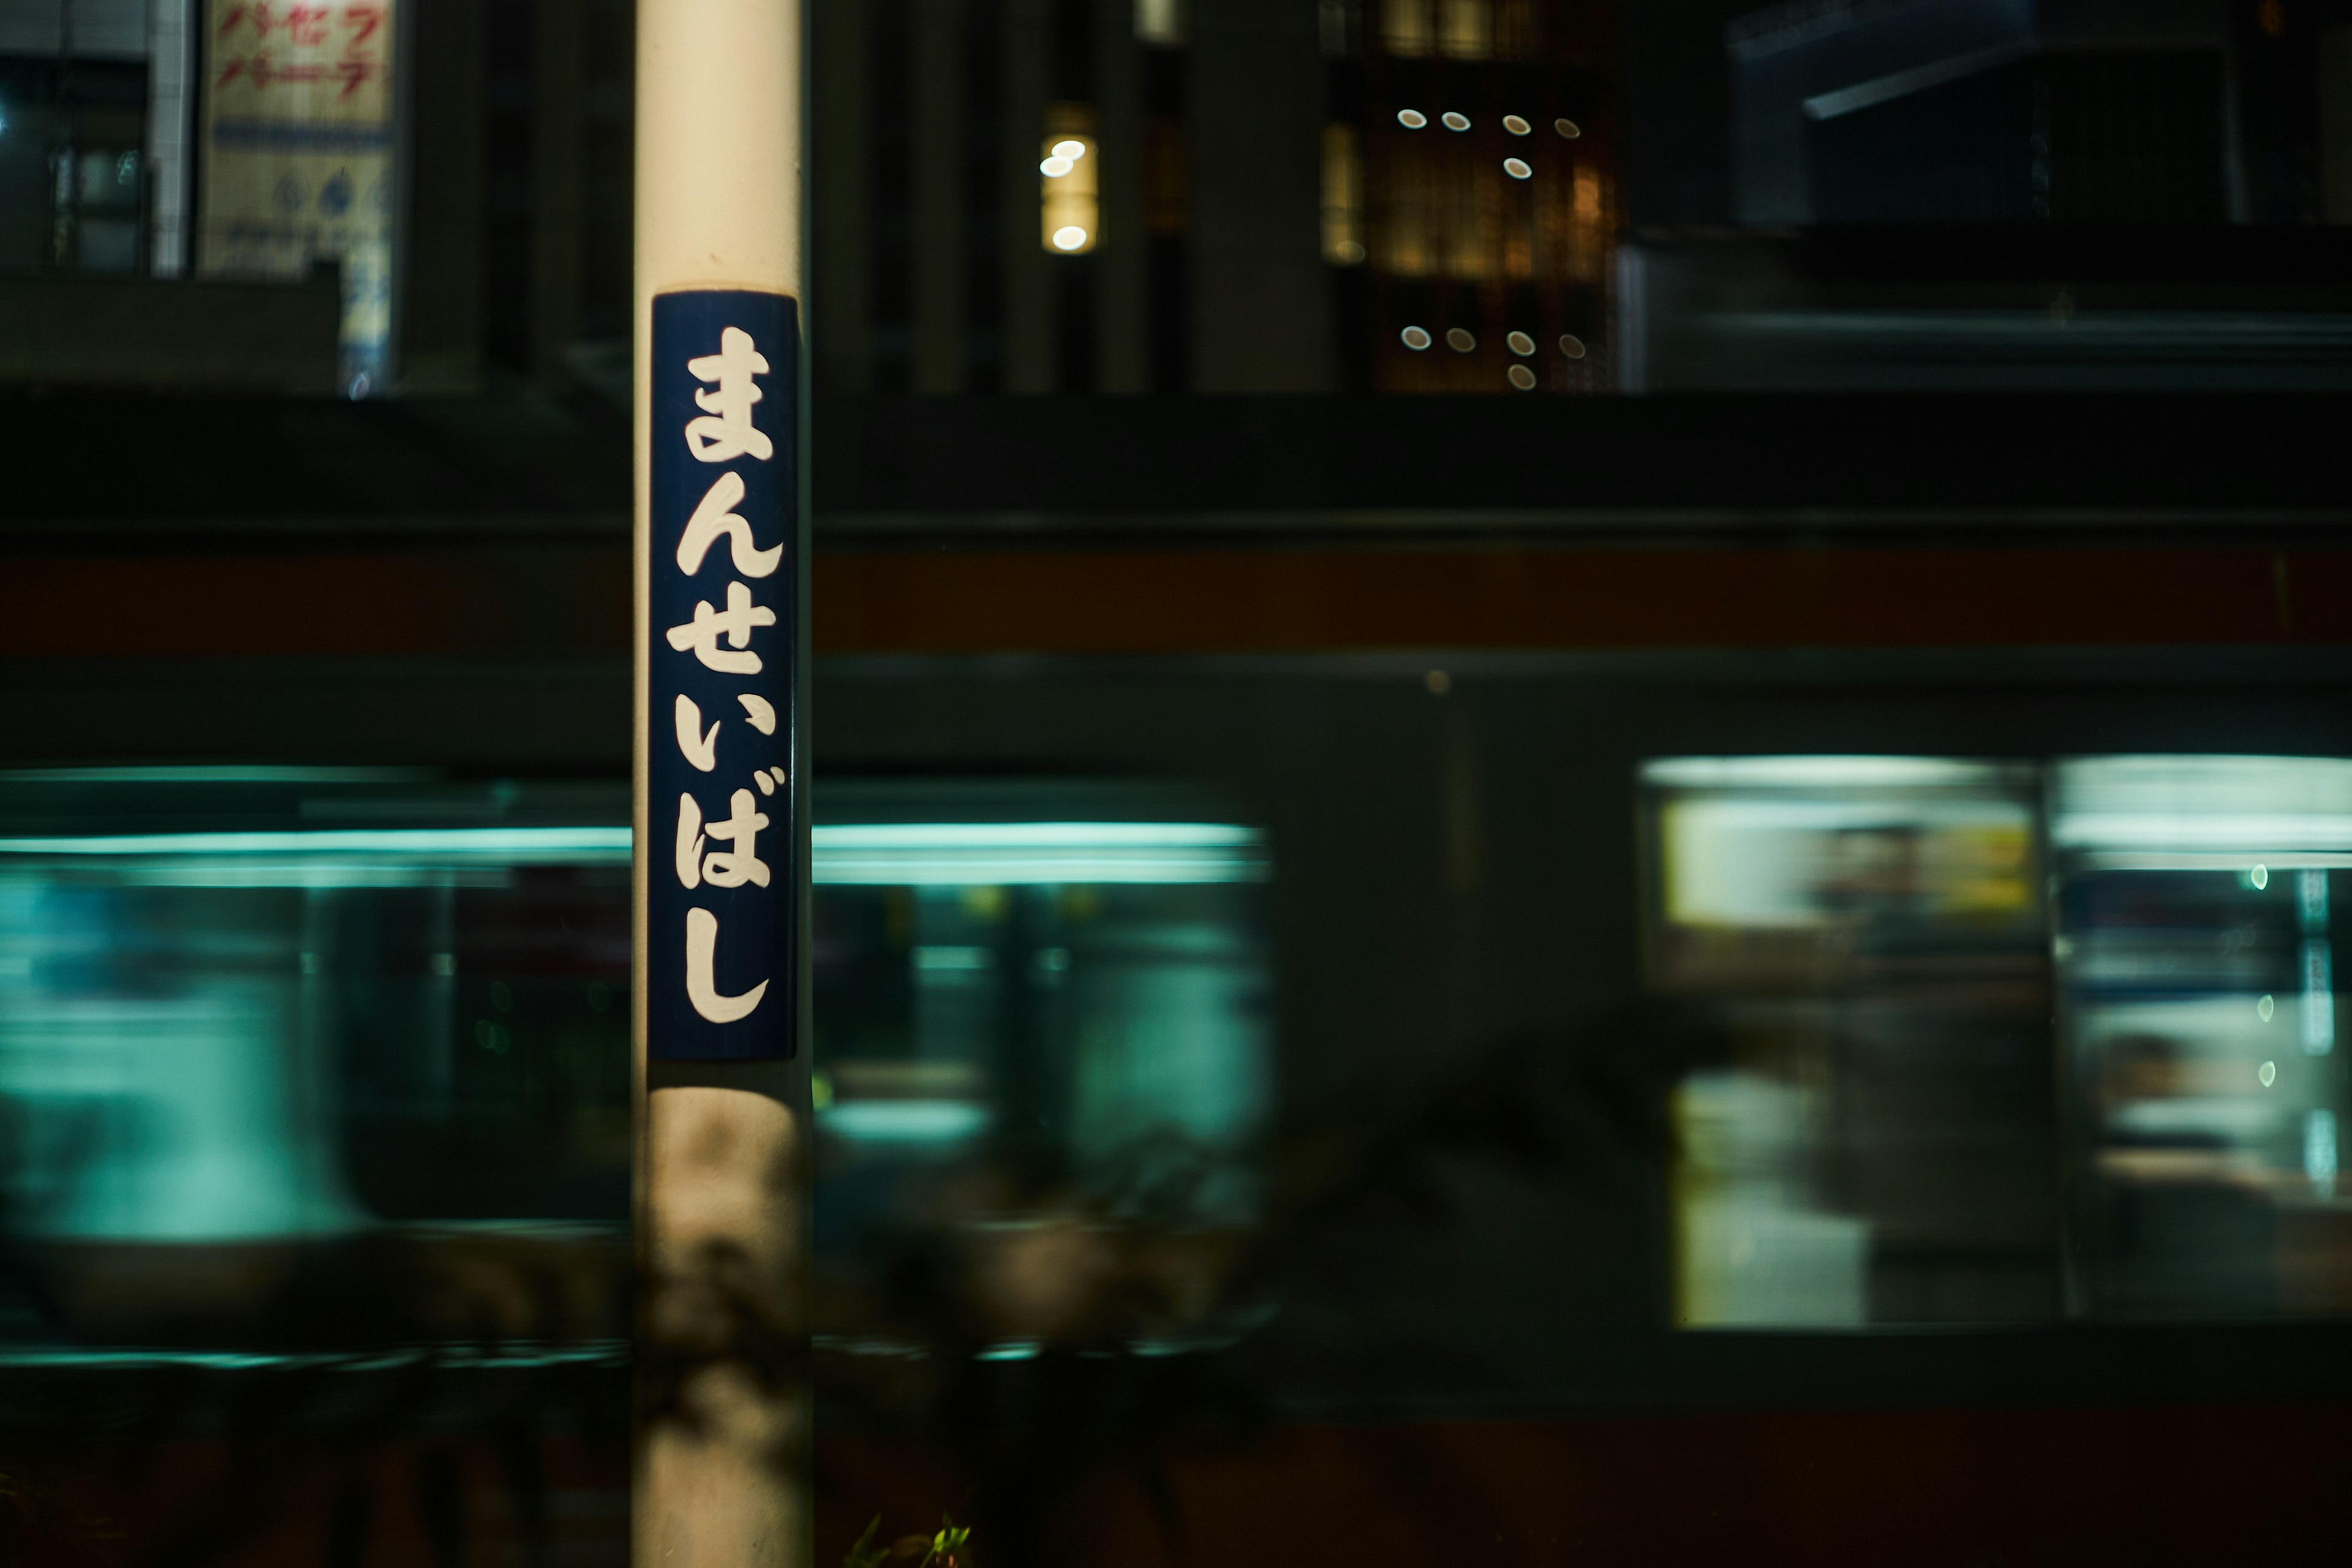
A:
(722, 1453)
(171, 132)
(559, 179)
(1123, 255)
(2335, 124)
(1261, 302)
(843, 161)
(940, 259)
(1029, 338)
(441, 293)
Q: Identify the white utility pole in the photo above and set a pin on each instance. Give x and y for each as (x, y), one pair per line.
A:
(720, 995)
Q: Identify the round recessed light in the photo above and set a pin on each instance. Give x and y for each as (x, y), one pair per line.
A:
(1571, 345)
(1515, 126)
(1568, 128)
(1055, 167)
(1460, 339)
(1516, 168)
(1415, 338)
(1523, 378)
(1521, 343)
(1453, 122)
(1070, 239)
(1411, 118)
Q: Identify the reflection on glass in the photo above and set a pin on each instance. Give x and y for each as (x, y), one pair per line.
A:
(1888, 1113)
(1754, 1245)
(1043, 1045)
(159, 1051)
(2196, 965)
(1958, 114)
(289, 1046)
(1867, 1137)
(288, 1053)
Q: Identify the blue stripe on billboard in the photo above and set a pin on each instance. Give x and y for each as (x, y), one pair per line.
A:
(722, 856)
(300, 136)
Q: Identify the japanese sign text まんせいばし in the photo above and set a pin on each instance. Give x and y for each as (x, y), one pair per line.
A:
(722, 860)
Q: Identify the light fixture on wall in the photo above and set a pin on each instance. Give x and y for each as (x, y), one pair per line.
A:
(1070, 187)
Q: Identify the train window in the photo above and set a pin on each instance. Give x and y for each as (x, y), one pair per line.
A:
(2196, 962)
(1885, 1113)
(289, 1009)
(254, 1016)
(1041, 1027)
(1866, 1139)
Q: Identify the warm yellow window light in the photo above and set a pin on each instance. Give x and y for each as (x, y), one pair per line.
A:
(1459, 29)
(1343, 198)
(1160, 23)
(1070, 204)
(1467, 28)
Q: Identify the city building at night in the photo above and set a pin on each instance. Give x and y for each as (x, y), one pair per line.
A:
(1724, 948)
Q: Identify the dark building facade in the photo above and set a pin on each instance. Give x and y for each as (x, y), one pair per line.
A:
(1394, 197)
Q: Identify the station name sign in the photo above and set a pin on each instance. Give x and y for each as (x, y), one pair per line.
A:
(722, 872)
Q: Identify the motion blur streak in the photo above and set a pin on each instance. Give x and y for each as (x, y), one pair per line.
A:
(1886, 1116)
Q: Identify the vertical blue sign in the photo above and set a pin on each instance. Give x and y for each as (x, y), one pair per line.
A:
(722, 860)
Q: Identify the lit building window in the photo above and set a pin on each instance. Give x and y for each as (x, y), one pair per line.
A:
(1343, 197)
(1405, 209)
(1070, 203)
(1405, 26)
(1160, 23)
(1340, 24)
(1587, 196)
(1454, 190)
(1459, 29)
(1467, 28)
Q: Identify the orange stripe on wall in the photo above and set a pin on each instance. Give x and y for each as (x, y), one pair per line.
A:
(1246, 602)
(417, 605)
(574, 601)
